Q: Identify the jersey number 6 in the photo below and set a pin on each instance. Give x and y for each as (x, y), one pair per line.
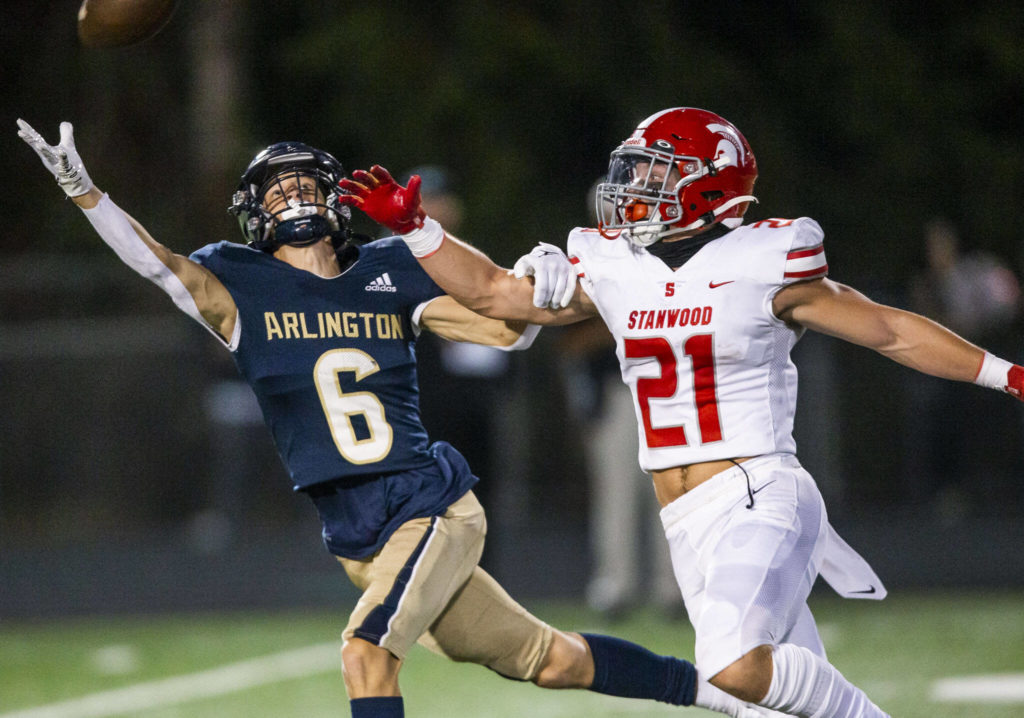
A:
(699, 349)
(340, 406)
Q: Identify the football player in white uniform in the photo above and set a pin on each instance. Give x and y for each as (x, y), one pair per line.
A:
(705, 311)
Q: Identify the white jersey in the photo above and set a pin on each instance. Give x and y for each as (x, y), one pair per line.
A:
(707, 361)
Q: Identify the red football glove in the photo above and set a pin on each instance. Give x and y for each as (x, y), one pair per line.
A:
(384, 200)
(1015, 382)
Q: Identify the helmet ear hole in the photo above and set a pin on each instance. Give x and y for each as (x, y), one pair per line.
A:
(712, 195)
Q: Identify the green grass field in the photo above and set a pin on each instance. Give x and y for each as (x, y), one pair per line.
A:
(896, 650)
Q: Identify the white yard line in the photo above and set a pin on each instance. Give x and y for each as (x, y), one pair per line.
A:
(229, 678)
(1003, 688)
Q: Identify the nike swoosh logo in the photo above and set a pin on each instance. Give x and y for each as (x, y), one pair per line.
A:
(713, 285)
(868, 591)
(762, 488)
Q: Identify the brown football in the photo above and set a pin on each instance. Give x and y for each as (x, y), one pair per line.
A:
(117, 23)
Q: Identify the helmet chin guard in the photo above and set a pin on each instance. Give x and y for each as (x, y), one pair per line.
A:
(302, 231)
(681, 170)
(301, 221)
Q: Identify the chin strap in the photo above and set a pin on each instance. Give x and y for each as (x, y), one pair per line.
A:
(646, 235)
(302, 231)
(717, 212)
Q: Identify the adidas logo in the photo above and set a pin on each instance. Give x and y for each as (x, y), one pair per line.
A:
(381, 284)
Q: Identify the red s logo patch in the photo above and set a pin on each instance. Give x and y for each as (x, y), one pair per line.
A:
(670, 289)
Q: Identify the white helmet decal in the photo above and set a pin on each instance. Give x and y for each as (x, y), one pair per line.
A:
(644, 206)
(730, 145)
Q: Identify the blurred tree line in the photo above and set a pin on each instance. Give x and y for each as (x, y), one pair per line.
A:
(871, 117)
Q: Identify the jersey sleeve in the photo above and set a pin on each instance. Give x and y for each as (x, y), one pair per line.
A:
(805, 258)
(417, 315)
(210, 256)
(417, 288)
(581, 247)
(207, 256)
(422, 289)
(576, 249)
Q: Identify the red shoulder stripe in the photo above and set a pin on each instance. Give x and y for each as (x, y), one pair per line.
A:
(817, 271)
(809, 252)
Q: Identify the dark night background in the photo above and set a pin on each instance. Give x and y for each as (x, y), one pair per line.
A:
(117, 476)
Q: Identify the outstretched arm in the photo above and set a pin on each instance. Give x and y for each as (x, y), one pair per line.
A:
(464, 272)
(454, 322)
(192, 287)
(910, 339)
(471, 277)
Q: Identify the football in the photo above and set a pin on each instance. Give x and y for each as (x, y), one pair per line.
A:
(118, 23)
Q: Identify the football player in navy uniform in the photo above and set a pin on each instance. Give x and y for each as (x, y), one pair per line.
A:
(705, 310)
(324, 330)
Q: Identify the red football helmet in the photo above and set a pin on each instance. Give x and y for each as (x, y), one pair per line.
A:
(680, 170)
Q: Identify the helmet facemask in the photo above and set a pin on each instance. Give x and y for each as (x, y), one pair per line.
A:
(296, 208)
(682, 170)
(289, 195)
(643, 191)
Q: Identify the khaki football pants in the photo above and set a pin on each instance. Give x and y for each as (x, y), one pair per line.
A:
(424, 585)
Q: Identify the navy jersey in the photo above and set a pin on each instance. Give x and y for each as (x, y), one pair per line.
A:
(333, 365)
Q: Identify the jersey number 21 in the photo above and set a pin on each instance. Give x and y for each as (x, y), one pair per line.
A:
(698, 348)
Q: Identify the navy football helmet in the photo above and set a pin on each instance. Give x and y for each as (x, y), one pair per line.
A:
(272, 209)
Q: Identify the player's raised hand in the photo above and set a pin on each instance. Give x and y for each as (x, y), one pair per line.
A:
(384, 200)
(62, 159)
(553, 274)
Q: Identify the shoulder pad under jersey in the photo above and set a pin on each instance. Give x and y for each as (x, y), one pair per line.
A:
(586, 248)
(791, 250)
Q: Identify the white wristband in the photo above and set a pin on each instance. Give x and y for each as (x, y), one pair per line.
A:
(425, 240)
(994, 373)
(525, 339)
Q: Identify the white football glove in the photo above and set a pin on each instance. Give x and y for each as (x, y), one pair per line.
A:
(553, 274)
(62, 160)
